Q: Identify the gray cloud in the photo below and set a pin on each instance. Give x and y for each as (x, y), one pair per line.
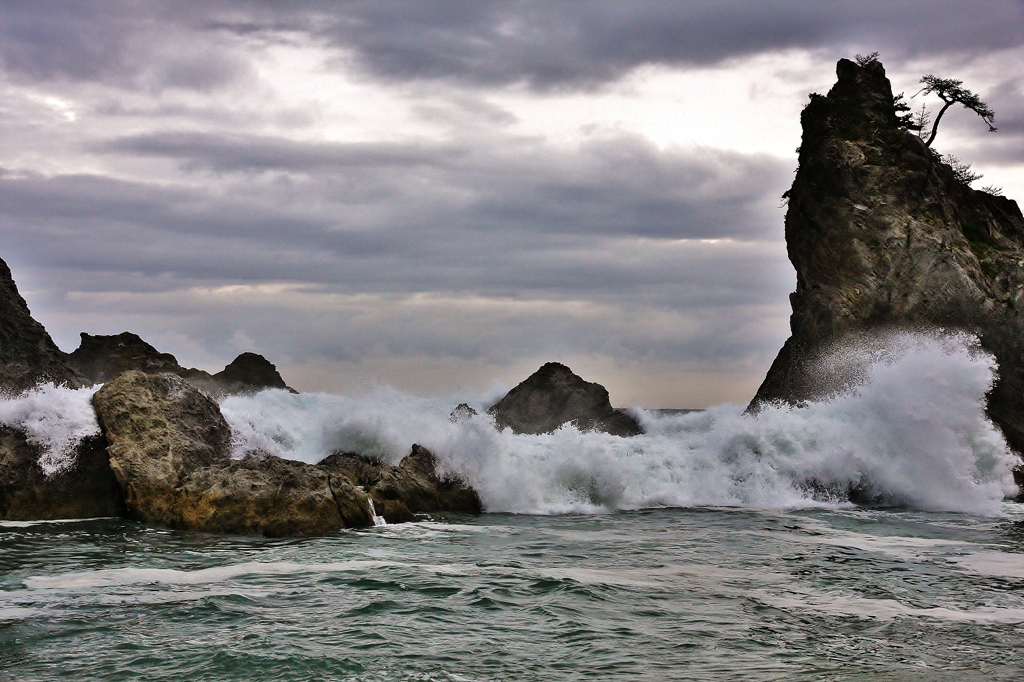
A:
(575, 43)
(171, 209)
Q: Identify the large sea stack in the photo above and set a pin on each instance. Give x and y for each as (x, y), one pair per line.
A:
(883, 236)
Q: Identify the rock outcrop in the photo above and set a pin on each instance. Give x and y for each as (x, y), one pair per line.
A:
(553, 396)
(86, 490)
(412, 487)
(883, 235)
(169, 449)
(100, 358)
(250, 372)
(159, 430)
(28, 356)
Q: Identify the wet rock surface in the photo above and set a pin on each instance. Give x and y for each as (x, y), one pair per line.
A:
(553, 396)
(28, 356)
(412, 487)
(85, 490)
(884, 236)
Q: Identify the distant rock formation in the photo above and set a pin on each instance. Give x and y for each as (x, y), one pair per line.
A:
(884, 236)
(100, 358)
(28, 356)
(553, 396)
(250, 372)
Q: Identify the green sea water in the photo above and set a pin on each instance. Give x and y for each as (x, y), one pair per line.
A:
(667, 594)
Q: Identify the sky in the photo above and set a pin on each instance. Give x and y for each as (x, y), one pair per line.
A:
(442, 196)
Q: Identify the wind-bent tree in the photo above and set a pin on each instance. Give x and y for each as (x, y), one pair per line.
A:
(951, 91)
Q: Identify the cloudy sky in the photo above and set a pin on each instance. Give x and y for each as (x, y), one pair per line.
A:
(438, 195)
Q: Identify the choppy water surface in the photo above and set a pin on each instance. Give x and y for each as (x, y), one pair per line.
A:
(738, 594)
(718, 545)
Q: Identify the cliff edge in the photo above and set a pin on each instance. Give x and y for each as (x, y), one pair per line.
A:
(884, 236)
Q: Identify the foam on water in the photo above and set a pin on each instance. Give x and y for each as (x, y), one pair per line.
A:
(54, 418)
(913, 433)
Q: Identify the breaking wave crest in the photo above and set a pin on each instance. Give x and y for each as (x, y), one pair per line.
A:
(913, 433)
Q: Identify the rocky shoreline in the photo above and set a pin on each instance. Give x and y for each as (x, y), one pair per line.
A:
(164, 452)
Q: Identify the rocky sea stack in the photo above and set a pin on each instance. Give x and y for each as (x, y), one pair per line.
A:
(885, 236)
(553, 396)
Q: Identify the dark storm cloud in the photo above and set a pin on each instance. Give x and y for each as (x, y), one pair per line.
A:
(587, 42)
(574, 43)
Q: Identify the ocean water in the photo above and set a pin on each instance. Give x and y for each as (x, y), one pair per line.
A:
(718, 545)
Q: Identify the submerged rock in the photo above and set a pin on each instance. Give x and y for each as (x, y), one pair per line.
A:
(87, 489)
(28, 356)
(553, 396)
(884, 236)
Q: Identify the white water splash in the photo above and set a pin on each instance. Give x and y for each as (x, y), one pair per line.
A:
(54, 418)
(914, 433)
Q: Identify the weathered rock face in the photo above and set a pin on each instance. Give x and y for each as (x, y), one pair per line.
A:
(159, 430)
(87, 490)
(101, 358)
(169, 448)
(28, 356)
(882, 235)
(553, 396)
(270, 496)
(250, 372)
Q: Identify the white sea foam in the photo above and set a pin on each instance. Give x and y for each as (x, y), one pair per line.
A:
(914, 433)
(55, 418)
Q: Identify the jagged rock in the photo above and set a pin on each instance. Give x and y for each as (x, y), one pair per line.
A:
(270, 496)
(28, 356)
(553, 396)
(883, 235)
(360, 470)
(413, 487)
(100, 358)
(86, 490)
(250, 372)
(159, 430)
